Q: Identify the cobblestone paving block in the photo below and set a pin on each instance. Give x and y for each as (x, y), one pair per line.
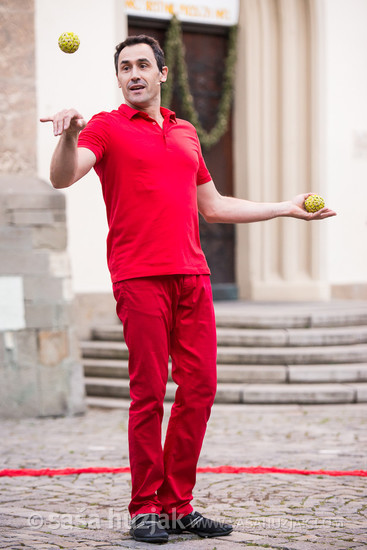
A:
(273, 511)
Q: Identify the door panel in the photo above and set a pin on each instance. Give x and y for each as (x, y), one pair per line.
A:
(206, 51)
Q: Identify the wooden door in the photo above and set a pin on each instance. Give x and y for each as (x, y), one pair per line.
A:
(206, 51)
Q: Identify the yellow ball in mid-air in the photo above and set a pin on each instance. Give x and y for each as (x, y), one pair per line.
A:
(314, 203)
(69, 42)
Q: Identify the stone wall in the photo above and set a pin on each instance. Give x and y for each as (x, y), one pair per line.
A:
(40, 367)
(17, 90)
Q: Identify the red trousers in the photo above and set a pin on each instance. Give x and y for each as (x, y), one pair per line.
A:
(166, 316)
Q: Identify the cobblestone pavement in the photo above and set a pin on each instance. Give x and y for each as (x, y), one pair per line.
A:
(274, 511)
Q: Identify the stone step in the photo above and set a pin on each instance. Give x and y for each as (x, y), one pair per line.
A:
(336, 336)
(248, 393)
(115, 368)
(293, 356)
(124, 403)
(107, 402)
(250, 356)
(104, 350)
(259, 374)
(339, 373)
(267, 353)
(249, 337)
(106, 368)
(290, 315)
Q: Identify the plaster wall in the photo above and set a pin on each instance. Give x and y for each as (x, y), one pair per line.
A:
(346, 139)
(86, 81)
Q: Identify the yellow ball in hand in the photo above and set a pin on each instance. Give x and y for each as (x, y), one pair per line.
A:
(69, 42)
(314, 203)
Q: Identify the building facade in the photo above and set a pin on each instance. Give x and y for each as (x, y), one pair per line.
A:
(298, 124)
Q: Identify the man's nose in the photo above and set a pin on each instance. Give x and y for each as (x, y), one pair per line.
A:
(135, 73)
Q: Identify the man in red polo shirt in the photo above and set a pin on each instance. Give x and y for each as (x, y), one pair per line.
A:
(154, 182)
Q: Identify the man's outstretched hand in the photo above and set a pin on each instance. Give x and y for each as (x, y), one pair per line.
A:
(297, 209)
(69, 162)
(68, 120)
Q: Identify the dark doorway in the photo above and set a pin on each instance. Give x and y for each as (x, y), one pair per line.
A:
(206, 51)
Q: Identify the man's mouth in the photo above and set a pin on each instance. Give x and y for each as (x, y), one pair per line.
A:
(136, 87)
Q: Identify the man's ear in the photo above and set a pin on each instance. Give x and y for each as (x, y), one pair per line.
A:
(164, 74)
(118, 82)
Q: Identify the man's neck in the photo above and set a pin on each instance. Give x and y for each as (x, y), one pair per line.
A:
(153, 111)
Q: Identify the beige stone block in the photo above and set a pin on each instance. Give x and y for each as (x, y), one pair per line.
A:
(19, 391)
(30, 217)
(53, 382)
(43, 289)
(52, 237)
(15, 238)
(53, 347)
(36, 217)
(25, 348)
(27, 192)
(17, 262)
(49, 315)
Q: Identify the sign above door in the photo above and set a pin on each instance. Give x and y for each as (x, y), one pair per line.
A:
(212, 12)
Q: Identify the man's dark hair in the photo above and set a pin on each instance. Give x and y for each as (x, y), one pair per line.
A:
(141, 39)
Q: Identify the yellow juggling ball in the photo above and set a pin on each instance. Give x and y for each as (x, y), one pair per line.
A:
(69, 42)
(314, 203)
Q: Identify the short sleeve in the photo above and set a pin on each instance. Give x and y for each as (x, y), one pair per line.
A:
(203, 175)
(95, 136)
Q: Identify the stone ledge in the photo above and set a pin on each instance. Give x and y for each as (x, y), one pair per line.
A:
(302, 393)
(28, 192)
(352, 291)
(35, 217)
(264, 337)
(248, 394)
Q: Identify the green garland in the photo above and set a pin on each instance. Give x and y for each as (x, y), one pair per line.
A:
(175, 51)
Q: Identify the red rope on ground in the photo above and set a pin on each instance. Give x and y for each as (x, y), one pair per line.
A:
(206, 470)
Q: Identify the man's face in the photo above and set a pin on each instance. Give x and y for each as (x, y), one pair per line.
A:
(138, 76)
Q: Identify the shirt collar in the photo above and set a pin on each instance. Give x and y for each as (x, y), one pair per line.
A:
(129, 112)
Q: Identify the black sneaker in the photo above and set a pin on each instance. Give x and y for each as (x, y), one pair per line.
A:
(197, 524)
(148, 528)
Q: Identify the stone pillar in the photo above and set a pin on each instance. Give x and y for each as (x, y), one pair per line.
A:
(277, 147)
(40, 367)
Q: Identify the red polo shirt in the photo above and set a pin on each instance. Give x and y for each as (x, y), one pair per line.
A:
(149, 177)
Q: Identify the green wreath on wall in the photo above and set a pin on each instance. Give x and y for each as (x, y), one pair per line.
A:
(175, 52)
